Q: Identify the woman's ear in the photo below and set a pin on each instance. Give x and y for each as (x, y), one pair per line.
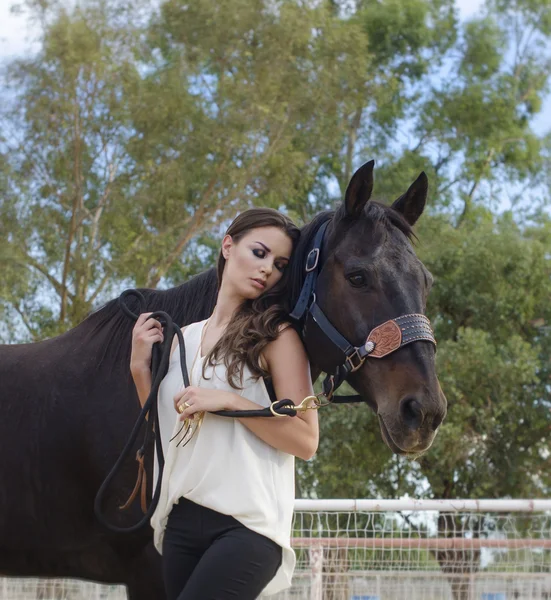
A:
(227, 243)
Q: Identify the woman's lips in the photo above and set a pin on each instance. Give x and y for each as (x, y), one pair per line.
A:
(259, 284)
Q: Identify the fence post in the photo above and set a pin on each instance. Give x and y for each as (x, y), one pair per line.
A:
(316, 566)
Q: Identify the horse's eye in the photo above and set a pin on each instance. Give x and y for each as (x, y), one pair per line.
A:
(357, 279)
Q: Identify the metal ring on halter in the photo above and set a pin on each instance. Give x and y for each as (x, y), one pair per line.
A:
(328, 401)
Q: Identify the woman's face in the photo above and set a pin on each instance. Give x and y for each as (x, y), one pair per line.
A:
(257, 261)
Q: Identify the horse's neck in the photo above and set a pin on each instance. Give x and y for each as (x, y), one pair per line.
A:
(192, 301)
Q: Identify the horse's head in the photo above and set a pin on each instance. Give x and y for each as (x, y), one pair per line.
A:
(370, 275)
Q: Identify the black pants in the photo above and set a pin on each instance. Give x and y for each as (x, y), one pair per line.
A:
(211, 556)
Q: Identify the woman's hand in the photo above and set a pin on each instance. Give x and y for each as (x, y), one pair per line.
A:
(144, 334)
(196, 399)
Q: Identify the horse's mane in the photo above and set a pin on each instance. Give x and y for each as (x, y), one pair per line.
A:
(108, 329)
(390, 217)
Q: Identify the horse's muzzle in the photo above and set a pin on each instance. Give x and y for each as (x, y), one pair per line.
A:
(412, 430)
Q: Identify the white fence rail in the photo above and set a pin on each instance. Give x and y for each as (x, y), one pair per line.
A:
(390, 550)
(411, 504)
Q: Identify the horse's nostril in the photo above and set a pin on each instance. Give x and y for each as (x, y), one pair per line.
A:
(412, 413)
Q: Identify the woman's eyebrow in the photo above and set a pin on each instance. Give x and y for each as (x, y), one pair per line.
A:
(268, 250)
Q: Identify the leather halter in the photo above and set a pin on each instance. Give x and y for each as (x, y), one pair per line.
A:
(340, 357)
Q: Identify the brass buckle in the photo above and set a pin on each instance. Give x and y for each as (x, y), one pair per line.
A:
(349, 360)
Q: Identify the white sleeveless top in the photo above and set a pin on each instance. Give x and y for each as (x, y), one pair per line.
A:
(225, 467)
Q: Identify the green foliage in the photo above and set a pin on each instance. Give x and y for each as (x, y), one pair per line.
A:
(490, 276)
(485, 43)
(496, 429)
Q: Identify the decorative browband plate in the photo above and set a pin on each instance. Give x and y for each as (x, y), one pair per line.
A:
(386, 337)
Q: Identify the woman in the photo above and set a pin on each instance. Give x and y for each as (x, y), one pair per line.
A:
(223, 521)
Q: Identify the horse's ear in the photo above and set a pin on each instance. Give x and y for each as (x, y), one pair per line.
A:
(359, 190)
(412, 203)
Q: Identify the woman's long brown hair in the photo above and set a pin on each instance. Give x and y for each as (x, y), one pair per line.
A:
(256, 322)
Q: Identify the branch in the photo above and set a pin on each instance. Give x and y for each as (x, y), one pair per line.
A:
(105, 278)
(72, 226)
(484, 167)
(448, 186)
(421, 141)
(468, 199)
(100, 287)
(196, 221)
(441, 162)
(53, 281)
(112, 167)
(161, 268)
(351, 143)
(25, 321)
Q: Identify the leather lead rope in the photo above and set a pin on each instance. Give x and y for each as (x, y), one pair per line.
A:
(149, 414)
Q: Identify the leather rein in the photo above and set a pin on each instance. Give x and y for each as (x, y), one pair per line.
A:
(341, 359)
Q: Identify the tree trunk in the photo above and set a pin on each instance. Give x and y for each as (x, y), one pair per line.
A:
(458, 564)
(335, 574)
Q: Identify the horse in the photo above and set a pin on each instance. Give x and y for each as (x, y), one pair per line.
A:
(69, 403)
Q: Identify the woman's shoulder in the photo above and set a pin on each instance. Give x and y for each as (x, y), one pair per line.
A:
(287, 333)
(284, 326)
(288, 364)
(287, 340)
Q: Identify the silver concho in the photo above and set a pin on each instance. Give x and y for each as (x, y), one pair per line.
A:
(369, 347)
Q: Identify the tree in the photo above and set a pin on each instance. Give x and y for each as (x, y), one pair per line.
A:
(64, 132)
(128, 144)
(489, 304)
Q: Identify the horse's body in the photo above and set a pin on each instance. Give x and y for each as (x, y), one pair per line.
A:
(69, 403)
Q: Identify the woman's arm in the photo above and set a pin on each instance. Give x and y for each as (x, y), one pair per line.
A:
(290, 372)
(142, 381)
(141, 374)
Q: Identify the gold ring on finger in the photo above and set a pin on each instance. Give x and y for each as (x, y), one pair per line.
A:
(180, 409)
(187, 404)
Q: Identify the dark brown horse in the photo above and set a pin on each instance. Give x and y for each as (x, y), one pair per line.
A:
(68, 403)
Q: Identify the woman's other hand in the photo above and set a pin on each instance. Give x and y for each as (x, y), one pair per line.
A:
(196, 399)
(144, 334)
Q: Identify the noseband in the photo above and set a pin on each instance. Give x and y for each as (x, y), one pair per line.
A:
(340, 357)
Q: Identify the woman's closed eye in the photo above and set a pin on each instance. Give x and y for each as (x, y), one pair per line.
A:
(259, 253)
